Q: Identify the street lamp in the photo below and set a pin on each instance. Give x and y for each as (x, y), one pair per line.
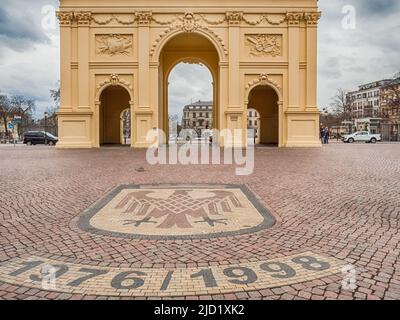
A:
(45, 128)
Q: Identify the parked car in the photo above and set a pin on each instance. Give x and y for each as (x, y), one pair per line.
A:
(39, 137)
(361, 136)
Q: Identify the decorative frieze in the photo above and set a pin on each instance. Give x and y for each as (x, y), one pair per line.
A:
(114, 44)
(264, 45)
(189, 18)
(123, 19)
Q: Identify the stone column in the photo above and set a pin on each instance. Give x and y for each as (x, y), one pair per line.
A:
(83, 20)
(312, 23)
(234, 19)
(144, 19)
(97, 106)
(234, 111)
(281, 124)
(293, 19)
(65, 19)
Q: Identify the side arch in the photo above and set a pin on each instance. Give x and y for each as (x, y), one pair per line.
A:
(263, 81)
(109, 83)
(265, 99)
(99, 107)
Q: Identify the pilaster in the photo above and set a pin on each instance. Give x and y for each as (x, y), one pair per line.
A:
(312, 35)
(234, 19)
(143, 19)
(65, 19)
(83, 20)
(294, 19)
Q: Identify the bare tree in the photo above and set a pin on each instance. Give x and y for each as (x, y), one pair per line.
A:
(23, 107)
(6, 111)
(340, 105)
(56, 96)
(391, 99)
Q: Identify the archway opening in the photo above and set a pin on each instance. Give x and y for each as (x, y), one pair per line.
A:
(190, 102)
(115, 116)
(189, 72)
(264, 101)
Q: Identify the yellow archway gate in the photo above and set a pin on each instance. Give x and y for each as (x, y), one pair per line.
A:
(135, 44)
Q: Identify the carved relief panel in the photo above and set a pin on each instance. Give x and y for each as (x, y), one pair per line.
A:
(263, 45)
(114, 45)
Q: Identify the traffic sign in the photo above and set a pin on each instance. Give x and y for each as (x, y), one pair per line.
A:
(17, 119)
(10, 126)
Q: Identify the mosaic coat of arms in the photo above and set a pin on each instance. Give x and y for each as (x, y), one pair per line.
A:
(177, 211)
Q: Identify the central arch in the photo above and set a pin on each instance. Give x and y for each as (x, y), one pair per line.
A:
(191, 48)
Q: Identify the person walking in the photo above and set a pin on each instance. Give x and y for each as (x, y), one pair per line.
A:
(326, 135)
(322, 134)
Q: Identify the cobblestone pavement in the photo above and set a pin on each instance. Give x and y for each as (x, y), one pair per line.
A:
(338, 205)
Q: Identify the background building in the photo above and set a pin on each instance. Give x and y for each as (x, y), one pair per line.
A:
(365, 102)
(253, 126)
(198, 116)
(375, 107)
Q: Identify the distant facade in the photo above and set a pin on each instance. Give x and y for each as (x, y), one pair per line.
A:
(375, 108)
(198, 115)
(365, 102)
(253, 119)
(253, 126)
(390, 100)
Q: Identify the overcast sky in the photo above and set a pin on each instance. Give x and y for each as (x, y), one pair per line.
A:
(29, 51)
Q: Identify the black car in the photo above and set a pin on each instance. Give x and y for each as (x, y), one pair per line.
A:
(39, 137)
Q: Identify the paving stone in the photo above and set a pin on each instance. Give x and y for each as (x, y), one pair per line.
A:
(311, 193)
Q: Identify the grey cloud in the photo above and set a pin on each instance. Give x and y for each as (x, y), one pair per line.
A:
(348, 58)
(20, 25)
(377, 7)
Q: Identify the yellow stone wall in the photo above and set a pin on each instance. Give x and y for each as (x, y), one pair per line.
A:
(271, 43)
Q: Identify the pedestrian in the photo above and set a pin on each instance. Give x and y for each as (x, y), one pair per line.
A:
(326, 135)
(322, 134)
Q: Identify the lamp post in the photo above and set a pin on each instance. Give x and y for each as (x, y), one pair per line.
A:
(45, 128)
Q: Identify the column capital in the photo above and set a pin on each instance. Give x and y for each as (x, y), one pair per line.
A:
(83, 18)
(312, 18)
(65, 17)
(234, 17)
(144, 18)
(294, 18)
